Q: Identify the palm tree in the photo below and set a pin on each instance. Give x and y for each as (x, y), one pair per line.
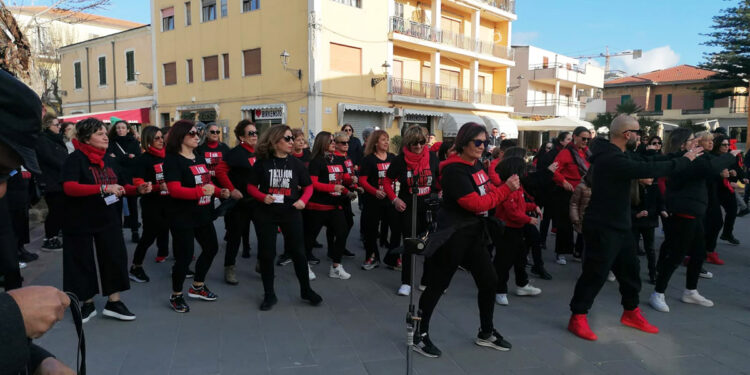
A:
(628, 107)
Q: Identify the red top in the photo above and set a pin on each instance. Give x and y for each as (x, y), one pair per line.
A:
(494, 177)
(512, 211)
(567, 169)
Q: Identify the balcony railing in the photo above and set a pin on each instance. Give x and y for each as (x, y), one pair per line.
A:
(571, 67)
(553, 102)
(651, 113)
(418, 89)
(738, 109)
(426, 32)
(696, 111)
(506, 5)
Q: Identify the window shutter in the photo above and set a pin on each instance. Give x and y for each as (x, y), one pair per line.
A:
(210, 68)
(225, 57)
(346, 59)
(170, 74)
(77, 69)
(130, 62)
(190, 70)
(102, 71)
(251, 61)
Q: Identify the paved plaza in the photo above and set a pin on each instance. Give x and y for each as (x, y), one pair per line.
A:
(360, 327)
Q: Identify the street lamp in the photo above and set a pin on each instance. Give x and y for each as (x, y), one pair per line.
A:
(377, 80)
(285, 60)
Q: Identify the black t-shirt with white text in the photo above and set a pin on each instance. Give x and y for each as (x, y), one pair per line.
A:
(426, 180)
(212, 156)
(89, 214)
(240, 162)
(151, 169)
(329, 170)
(284, 178)
(190, 173)
(458, 180)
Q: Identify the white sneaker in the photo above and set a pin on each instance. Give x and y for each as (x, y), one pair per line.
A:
(656, 300)
(422, 287)
(310, 273)
(561, 260)
(706, 274)
(527, 290)
(339, 273)
(21, 265)
(611, 277)
(692, 296)
(404, 290)
(501, 299)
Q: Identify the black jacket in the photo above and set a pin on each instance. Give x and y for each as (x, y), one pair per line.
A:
(51, 153)
(356, 151)
(650, 200)
(124, 165)
(687, 192)
(17, 353)
(611, 172)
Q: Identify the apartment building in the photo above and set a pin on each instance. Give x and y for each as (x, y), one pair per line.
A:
(317, 64)
(545, 83)
(109, 76)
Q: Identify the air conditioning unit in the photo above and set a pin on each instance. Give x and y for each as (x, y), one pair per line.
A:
(398, 112)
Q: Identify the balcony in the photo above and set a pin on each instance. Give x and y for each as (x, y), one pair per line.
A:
(738, 109)
(696, 111)
(555, 107)
(442, 95)
(465, 45)
(506, 5)
(493, 10)
(568, 74)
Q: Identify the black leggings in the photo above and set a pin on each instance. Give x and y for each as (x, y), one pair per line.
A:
(54, 220)
(561, 220)
(467, 247)
(349, 216)
(131, 221)
(155, 228)
(712, 224)
(375, 212)
(291, 228)
(20, 220)
(648, 246)
(728, 201)
(335, 222)
(92, 260)
(183, 240)
(533, 241)
(510, 251)
(683, 236)
(237, 223)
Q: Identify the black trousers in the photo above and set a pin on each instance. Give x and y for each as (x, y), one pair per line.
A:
(349, 216)
(377, 211)
(510, 251)
(561, 221)
(155, 228)
(20, 219)
(237, 223)
(647, 233)
(729, 202)
(533, 243)
(53, 222)
(466, 247)
(335, 222)
(292, 229)
(131, 221)
(404, 222)
(683, 236)
(607, 249)
(92, 260)
(544, 226)
(183, 240)
(712, 224)
(9, 260)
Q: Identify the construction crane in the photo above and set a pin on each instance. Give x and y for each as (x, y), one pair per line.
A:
(636, 53)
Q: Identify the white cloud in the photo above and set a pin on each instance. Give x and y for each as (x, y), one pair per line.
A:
(523, 38)
(654, 59)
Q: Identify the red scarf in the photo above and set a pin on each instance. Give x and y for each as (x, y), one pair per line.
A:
(95, 155)
(158, 152)
(417, 162)
(337, 153)
(299, 155)
(247, 147)
(211, 144)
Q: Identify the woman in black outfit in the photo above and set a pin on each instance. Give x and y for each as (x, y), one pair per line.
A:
(720, 194)
(376, 208)
(342, 155)
(647, 205)
(282, 186)
(727, 197)
(233, 173)
(212, 150)
(51, 153)
(355, 145)
(124, 148)
(302, 153)
(150, 168)
(461, 236)
(416, 170)
(190, 212)
(545, 195)
(94, 254)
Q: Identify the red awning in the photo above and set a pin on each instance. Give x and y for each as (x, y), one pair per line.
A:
(139, 116)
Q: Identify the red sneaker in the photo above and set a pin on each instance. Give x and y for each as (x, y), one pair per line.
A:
(713, 258)
(160, 259)
(635, 319)
(579, 326)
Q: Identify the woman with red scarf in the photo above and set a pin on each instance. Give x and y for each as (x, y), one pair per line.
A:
(342, 155)
(94, 256)
(416, 170)
(150, 168)
(376, 207)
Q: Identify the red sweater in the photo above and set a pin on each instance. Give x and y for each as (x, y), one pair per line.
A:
(494, 177)
(567, 169)
(512, 211)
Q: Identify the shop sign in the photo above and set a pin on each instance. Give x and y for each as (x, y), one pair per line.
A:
(419, 119)
(269, 114)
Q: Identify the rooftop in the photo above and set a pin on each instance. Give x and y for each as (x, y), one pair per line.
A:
(73, 17)
(680, 73)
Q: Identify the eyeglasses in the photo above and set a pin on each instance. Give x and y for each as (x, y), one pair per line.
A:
(215, 131)
(193, 133)
(479, 142)
(343, 143)
(636, 131)
(252, 134)
(289, 139)
(348, 130)
(656, 143)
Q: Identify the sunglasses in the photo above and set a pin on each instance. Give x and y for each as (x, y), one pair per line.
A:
(215, 131)
(420, 142)
(636, 131)
(585, 139)
(342, 143)
(193, 133)
(158, 138)
(252, 134)
(348, 130)
(655, 143)
(479, 142)
(289, 139)
(725, 145)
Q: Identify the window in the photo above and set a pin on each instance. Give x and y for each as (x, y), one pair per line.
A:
(189, 70)
(545, 62)
(251, 62)
(188, 14)
(165, 119)
(77, 72)
(450, 25)
(450, 78)
(657, 103)
(352, 3)
(398, 69)
(250, 5)
(225, 60)
(346, 59)
(398, 10)
(625, 98)
(669, 101)
(102, 71)
(208, 10)
(708, 100)
(170, 74)
(167, 19)
(211, 68)
(130, 65)
(223, 8)
(480, 84)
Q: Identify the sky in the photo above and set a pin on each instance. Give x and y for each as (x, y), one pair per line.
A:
(668, 31)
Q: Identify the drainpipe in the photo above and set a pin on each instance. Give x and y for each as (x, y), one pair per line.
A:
(88, 78)
(114, 77)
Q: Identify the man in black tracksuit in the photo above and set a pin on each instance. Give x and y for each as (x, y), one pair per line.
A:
(607, 225)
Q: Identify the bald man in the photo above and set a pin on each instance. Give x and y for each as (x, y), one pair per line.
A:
(607, 225)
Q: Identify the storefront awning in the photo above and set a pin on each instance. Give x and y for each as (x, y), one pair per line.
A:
(135, 116)
(451, 122)
(366, 108)
(263, 106)
(502, 123)
(558, 123)
(419, 112)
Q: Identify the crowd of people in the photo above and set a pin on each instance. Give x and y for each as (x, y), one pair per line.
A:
(601, 196)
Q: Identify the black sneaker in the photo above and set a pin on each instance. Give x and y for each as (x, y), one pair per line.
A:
(246, 252)
(348, 253)
(312, 259)
(731, 239)
(268, 301)
(178, 303)
(743, 212)
(189, 274)
(117, 310)
(424, 346)
(26, 256)
(310, 296)
(283, 260)
(493, 340)
(317, 245)
(541, 272)
(88, 311)
(201, 293)
(51, 244)
(138, 275)
(135, 237)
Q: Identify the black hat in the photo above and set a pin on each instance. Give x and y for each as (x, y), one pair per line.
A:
(720, 130)
(20, 118)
